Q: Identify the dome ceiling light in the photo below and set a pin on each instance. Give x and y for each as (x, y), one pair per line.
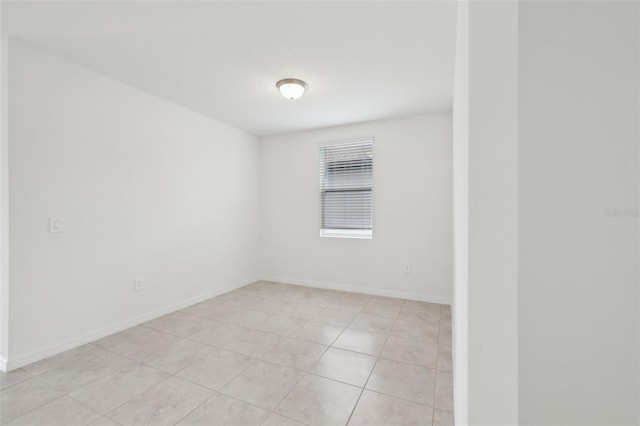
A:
(291, 88)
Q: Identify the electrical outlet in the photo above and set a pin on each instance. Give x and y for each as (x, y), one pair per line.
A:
(407, 269)
(137, 285)
(55, 225)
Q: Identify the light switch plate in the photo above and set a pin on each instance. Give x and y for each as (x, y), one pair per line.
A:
(55, 225)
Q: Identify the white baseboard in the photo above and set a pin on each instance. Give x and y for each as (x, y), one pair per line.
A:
(365, 290)
(13, 363)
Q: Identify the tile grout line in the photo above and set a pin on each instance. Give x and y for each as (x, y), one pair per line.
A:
(109, 375)
(321, 307)
(123, 369)
(306, 372)
(107, 414)
(198, 406)
(215, 392)
(291, 336)
(95, 348)
(344, 328)
(31, 376)
(63, 394)
(307, 320)
(374, 367)
(273, 410)
(226, 303)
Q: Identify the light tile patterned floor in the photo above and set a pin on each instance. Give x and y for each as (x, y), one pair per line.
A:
(266, 354)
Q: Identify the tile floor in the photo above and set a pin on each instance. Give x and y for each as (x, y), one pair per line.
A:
(266, 354)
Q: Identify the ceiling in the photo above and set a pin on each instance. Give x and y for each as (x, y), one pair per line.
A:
(363, 60)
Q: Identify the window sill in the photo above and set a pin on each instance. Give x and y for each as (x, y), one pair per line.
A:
(361, 234)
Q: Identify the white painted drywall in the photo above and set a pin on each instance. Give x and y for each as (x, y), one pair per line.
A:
(486, 185)
(578, 158)
(460, 304)
(4, 201)
(493, 256)
(145, 189)
(412, 211)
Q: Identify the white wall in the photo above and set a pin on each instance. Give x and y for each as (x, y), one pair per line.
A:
(460, 304)
(412, 211)
(485, 170)
(575, 297)
(145, 188)
(578, 157)
(4, 202)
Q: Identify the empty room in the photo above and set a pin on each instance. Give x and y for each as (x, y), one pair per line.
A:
(192, 245)
(319, 213)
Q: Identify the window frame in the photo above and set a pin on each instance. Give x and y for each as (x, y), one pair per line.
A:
(361, 234)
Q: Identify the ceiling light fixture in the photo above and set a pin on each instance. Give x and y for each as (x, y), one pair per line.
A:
(291, 88)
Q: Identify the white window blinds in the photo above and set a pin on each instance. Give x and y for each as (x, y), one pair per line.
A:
(346, 189)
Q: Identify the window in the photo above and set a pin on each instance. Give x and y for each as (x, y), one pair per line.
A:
(346, 190)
